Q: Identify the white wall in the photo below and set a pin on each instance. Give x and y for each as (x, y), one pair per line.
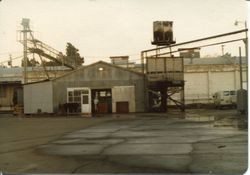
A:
(202, 83)
(222, 81)
(196, 87)
(123, 93)
(38, 96)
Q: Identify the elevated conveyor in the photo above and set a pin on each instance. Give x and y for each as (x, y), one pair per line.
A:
(40, 48)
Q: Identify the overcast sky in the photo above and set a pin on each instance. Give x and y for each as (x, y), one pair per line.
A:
(103, 28)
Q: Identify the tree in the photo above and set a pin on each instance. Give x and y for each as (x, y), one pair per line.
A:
(31, 62)
(227, 55)
(51, 63)
(72, 53)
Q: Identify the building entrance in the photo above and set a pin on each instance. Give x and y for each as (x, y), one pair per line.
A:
(78, 100)
(101, 100)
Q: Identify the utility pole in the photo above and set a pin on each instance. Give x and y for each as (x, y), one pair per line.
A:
(25, 24)
(240, 68)
(10, 62)
(222, 49)
(246, 47)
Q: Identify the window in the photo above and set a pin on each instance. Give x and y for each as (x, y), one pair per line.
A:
(232, 93)
(85, 92)
(71, 100)
(74, 95)
(70, 93)
(85, 99)
(103, 93)
(108, 94)
(77, 93)
(3, 90)
(226, 93)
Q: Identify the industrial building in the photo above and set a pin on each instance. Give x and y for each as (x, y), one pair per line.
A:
(161, 79)
(11, 83)
(202, 76)
(97, 88)
(205, 76)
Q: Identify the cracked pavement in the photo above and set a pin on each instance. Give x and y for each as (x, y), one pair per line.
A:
(154, 144)
(132, 143)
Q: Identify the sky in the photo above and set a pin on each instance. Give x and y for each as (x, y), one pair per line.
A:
(104, 28)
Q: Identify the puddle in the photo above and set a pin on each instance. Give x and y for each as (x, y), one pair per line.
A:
(199, 118)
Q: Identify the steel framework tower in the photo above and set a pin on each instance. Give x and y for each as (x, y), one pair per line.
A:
(35, 46)
(25, 24)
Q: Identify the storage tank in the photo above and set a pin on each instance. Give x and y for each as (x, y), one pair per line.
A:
(163, 33)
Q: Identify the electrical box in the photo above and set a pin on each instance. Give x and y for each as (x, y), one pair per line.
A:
(242, 105)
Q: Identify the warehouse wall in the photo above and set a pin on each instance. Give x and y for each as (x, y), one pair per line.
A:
(123, 93)
(91, 77)
(196, 86)
(6, 96)
(38, 96)
(201, 82)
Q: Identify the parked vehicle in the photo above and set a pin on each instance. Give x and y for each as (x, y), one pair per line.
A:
(225, 98)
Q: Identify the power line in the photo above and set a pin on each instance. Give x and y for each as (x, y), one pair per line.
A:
(199, 40)
(207, 45)
(7, 53)
(107, 56)
(13, 59)
(7, 59)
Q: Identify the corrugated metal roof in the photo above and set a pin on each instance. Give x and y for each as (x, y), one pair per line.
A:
(15, 73)
(98, 62)
(19, 70)
(14, 70)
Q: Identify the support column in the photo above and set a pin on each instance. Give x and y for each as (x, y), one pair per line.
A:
(164, 99)
(182, 96)
(208, 85)
(235, 78)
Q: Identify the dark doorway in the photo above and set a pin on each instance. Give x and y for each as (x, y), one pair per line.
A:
(122, 107)
(101, 101)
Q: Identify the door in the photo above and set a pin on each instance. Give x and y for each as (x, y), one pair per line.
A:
(85, 101)
(122, 107)
(103, 100)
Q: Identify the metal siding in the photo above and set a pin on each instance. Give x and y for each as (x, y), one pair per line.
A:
(38, 96)
(222, 81)
(122, 94)
(164, 68)
(196, 87)
(151, 65)
(201, 80)
(94, 79)
(7, 100)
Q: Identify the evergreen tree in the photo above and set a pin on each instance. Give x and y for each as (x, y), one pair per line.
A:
(72, 53)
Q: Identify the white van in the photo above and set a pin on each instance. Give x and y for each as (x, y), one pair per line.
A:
(225, 98)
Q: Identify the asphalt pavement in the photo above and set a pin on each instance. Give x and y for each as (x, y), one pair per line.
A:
(155, 145)
(172, 142)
